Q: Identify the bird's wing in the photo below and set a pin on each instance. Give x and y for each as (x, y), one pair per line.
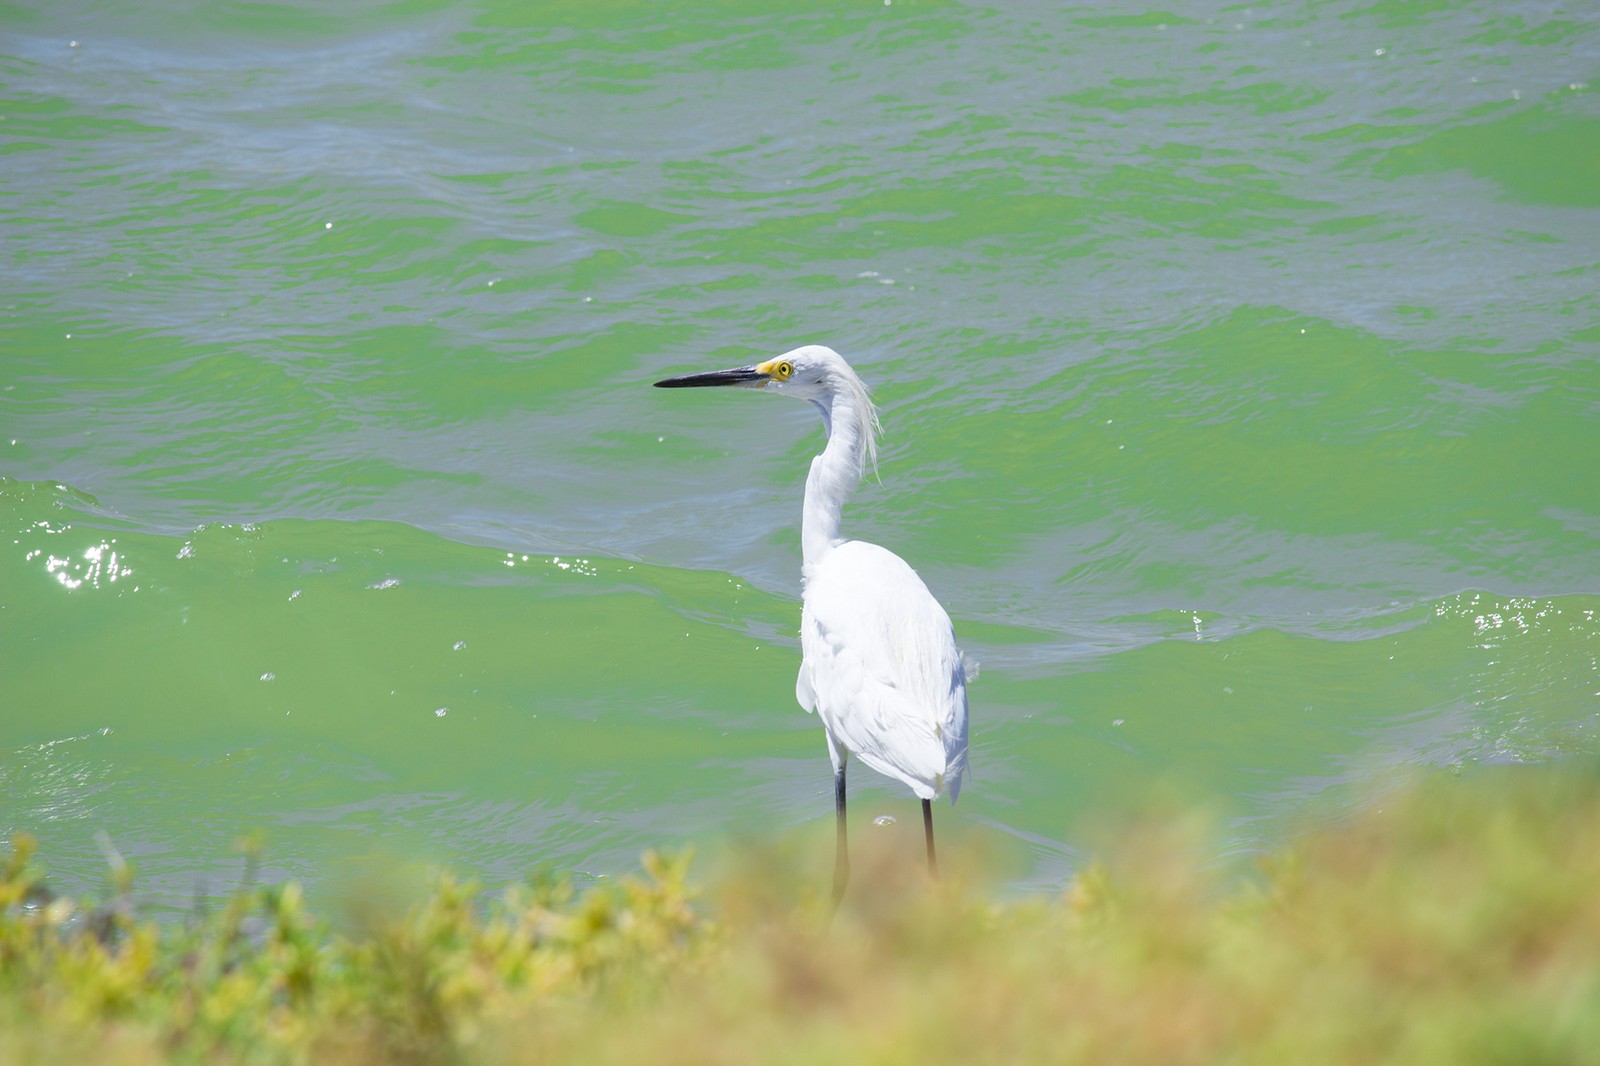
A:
(881, 667)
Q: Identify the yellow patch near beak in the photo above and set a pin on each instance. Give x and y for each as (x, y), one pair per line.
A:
(775, 370)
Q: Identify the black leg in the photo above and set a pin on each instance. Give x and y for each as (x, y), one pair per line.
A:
(927, 828)
(841, 860)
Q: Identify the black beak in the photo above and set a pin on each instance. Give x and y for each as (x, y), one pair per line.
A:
(748, 376)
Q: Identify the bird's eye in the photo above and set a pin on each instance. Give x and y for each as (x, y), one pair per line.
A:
(783, 370)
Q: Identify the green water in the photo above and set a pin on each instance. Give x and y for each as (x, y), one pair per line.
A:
(1240, 370)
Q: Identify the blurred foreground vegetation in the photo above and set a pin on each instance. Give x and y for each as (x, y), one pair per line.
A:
(1458, 922)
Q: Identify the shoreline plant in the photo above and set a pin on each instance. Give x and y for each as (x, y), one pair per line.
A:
(1456, 922)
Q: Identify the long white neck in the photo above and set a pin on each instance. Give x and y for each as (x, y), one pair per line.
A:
(849, 422)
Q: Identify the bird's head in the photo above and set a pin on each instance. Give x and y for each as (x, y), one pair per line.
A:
(811, 372)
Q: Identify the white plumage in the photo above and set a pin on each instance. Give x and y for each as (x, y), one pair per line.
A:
(881, 669)
(879, 664)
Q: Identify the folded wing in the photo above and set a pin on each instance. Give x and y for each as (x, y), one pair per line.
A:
(882, 670)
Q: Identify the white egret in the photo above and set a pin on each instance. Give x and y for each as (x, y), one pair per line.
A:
(879, 659)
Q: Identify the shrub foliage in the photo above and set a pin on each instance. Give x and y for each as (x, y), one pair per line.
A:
(1457, 922)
